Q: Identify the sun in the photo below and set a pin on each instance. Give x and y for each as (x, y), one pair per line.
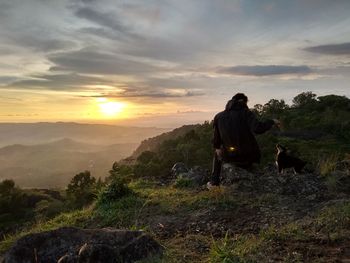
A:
(110, 108)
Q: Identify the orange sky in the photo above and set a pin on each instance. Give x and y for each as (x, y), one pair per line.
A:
(165, 63)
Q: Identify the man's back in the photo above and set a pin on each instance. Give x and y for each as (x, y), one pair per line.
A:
(234, 133)
(234, 139)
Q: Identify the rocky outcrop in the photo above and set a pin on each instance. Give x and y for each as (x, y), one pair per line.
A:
(178, 169)
(197, 175)
(268, 181)
(75, 245)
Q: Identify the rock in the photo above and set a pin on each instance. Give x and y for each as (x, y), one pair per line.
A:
(73, 245)
(97, 253)
(179, 168)
(343, 166)
(268, 181)
(341, 181)
(230, 174)
(197, 175)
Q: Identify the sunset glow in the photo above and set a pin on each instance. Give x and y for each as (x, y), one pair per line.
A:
(110, 108)
(165, 63)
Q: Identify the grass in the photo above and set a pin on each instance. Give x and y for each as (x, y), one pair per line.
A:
(79, 218)
(148, 200)
(334, 221)
(182, 182)
(328, 164)
(122, 213)
(292, 231)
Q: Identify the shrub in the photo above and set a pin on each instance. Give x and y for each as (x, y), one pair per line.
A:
(114, 191)
(81, 190)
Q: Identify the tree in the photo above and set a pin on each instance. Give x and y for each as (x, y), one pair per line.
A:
(6, 187)
(146, 157)
(304, 99)
(274, 108)
(12, 199)
(335, 102)
(81, 189)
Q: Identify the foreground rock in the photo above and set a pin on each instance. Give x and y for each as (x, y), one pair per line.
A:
(307, 184)
(83, 245)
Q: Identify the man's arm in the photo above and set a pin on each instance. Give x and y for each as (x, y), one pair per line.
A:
(257, 126)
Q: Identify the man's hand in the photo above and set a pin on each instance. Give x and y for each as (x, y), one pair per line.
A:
(218, 152)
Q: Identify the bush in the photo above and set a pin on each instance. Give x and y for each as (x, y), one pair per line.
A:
(114, 191)
(81, 190)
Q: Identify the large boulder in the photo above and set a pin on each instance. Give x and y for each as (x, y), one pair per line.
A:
(76, 245)
(178, 169)
(196, 175)
(269, 181)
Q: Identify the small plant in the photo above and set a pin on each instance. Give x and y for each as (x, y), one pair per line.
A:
(237, 250)
(223, 251)
(114, 191)
(328, 165)
(182, 182)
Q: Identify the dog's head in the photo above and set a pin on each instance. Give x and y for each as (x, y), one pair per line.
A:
(280, 148)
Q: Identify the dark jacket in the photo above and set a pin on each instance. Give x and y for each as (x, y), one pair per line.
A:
(234, 130)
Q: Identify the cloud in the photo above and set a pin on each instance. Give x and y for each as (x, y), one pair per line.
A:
(43, 45)
(100, 32)
(108, 20)
(331, 49)
(96, 62)
(10, 98)
(4, 80)
(267, 70)
(71, 81)
(150, 93)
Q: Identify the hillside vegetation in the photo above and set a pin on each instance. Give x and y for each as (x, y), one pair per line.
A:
(316, 129)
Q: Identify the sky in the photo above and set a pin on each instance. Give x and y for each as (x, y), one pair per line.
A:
(165, 63)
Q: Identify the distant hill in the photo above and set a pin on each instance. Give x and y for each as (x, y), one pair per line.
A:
(43, 132)
(151, 144)
(53, 164)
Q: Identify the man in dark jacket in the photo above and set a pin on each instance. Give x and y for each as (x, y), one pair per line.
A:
(234, 139)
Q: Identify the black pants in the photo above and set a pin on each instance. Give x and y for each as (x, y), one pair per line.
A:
(217, 164)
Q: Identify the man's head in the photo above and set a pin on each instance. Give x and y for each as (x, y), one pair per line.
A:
(240, 98)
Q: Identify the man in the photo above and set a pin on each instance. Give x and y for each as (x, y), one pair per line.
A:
(234, 139)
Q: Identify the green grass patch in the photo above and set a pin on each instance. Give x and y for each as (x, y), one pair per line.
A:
(240, 249)
(182, 182)
(123, 212)
(334, 221)
(79, 218)
(292, 231)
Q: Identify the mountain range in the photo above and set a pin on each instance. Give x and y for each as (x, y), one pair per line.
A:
(48, 155)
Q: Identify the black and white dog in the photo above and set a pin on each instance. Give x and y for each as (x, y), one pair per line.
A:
(283, 160)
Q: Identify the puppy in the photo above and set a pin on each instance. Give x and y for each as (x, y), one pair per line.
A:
(283, 160)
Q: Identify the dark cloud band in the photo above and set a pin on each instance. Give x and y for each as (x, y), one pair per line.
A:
(333, 49)
(133, 93)
(264, 70)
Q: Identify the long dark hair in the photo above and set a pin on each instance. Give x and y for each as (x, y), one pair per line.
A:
(238, 101)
